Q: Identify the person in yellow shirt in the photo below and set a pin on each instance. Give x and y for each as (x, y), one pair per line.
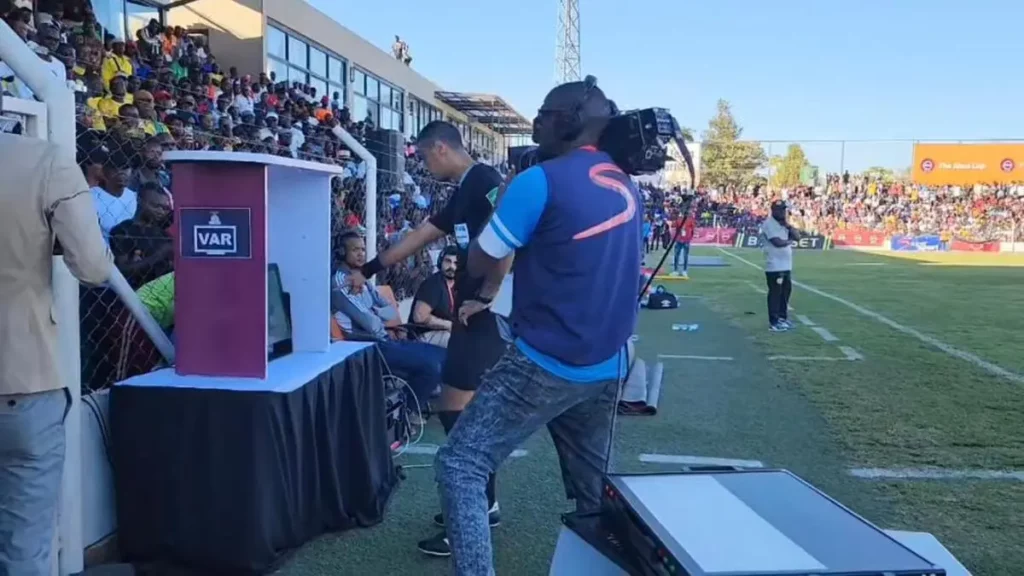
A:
(151, 123)
(116, 63)
(109, 106)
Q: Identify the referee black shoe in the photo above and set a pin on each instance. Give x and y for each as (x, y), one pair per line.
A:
(493, 517)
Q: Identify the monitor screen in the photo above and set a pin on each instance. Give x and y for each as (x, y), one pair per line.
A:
(279, 327)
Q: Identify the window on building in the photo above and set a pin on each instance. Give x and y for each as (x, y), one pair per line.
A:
(293, 59)
(380, 101)
(335, 70)
(277, 43)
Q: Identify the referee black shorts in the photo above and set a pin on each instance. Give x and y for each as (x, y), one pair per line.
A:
(472, 350)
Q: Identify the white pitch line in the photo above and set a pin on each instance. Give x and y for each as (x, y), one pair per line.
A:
(851, 354)
(935, 474)
(691, 357)
(805, 320)
(431, 449)
(757, 288)
(698, 461)
(808, 358)
(930, 340)
(825, 334)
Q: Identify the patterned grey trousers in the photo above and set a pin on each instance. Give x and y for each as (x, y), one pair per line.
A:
(515, 399)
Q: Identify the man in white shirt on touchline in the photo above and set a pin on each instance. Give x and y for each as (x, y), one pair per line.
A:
(777, 237)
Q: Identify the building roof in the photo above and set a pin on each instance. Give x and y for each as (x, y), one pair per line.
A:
(165, 4)
(488, 109)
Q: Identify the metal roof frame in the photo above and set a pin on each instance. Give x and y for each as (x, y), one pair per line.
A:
(163, 4)
(488, 109)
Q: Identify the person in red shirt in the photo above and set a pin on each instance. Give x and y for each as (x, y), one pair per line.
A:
(682, 225)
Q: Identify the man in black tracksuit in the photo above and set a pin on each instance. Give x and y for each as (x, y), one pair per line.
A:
(476, 342)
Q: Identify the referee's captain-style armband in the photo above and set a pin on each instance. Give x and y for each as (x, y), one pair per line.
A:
(371, 267)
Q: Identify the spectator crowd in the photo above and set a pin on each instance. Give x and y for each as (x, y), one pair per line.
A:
(978, 213)
(164, 90)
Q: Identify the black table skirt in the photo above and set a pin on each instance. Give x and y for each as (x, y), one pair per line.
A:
(226, 482)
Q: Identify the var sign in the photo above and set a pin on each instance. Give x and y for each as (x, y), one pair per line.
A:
(216, 233)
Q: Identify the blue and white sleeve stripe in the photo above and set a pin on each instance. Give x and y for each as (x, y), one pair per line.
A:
(517, 215)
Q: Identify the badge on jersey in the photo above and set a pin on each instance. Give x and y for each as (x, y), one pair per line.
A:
(462, 236)
(492, 196)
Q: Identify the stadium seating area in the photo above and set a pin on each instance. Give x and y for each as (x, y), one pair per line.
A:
(978, 213)
(164, 90)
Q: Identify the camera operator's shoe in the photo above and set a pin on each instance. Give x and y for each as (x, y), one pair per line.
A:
(437, 546)
(493, 517)
(778, 327)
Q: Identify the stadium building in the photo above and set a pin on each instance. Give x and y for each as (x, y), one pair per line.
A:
(301, 44)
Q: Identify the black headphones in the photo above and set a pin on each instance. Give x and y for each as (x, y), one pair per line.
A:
(569, 125)
(342, 239)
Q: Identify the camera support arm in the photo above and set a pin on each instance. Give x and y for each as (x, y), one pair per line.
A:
(677, 135)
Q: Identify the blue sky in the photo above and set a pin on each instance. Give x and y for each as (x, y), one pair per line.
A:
(792, 69)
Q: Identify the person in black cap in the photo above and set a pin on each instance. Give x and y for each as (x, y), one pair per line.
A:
(776, 238)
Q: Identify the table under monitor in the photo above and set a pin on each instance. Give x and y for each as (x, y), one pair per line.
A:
(226, 475)
(735, 523)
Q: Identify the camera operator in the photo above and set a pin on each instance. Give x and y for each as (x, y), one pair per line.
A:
(777, 237)
(574, 223)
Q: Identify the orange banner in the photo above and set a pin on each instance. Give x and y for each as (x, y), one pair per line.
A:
(964, 164)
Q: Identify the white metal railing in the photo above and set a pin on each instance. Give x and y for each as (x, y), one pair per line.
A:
(371, 187)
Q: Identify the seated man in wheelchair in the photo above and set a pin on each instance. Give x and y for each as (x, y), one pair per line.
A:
(364, 315)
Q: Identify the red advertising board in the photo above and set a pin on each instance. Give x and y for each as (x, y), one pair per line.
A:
(861, 237)
(714, 236)
(965, 246)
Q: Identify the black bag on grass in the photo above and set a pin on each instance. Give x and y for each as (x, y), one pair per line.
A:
(660, 299)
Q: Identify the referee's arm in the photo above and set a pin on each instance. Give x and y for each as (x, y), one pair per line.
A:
(512, 224)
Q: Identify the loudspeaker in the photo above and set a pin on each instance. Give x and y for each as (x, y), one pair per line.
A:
(388, 147)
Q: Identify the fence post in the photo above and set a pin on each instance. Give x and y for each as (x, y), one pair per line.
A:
(371, 187)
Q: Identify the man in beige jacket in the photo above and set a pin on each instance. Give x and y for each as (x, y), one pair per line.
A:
(44, 199)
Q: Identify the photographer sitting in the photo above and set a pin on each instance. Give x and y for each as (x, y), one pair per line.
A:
(366, 312)
(434, 303)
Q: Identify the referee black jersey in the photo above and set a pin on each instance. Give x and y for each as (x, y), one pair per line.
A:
(464, 217)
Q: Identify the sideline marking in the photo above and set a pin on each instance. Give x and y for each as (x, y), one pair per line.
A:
(935, 474)
(690, 357)
(949, 350)
(808, 358)
(757, 288)
(825, 334)
(851, 354)
(805, 320)
(699, 461)
(431, 449)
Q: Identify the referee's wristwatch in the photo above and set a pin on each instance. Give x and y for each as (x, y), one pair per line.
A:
(483, 300)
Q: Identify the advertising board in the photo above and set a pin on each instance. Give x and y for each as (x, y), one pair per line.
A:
(966, 164)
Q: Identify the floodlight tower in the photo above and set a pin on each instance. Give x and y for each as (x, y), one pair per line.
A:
(567, 58)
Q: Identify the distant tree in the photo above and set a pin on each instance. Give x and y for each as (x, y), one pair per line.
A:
(725, 159)
(788, 170)
(881, 173)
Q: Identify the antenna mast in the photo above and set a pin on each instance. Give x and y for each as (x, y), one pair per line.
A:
(567, 57)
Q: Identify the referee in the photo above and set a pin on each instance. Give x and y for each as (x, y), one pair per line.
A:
(476, 343)
(777, 237)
